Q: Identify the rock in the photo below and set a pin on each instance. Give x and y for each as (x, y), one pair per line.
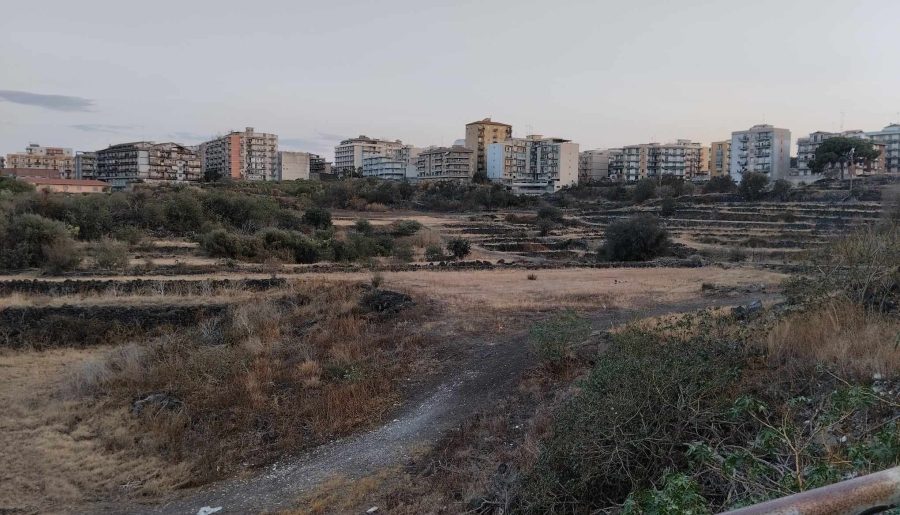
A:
(373, 509)
(386, 301)
(207, 510)
(748, 310)
(161, 400)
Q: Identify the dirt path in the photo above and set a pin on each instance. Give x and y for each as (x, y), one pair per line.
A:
(484, 371)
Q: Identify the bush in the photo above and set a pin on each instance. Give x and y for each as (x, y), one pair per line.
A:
(110, 254)
(405, 228)
(459, 247)
(434, 253)
(404, 253)
(552, 340)
(291, 245)
(15, 186)
(544, 226)
(30, 240)
(720, 184)
(550, 213)
(781, 190)
(636, 239)
(363, 226)
(667, 206)
(317, 217)
(221, 243)
(753, 185)
(645, 189)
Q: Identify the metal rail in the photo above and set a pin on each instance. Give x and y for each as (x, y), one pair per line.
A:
(873, 493)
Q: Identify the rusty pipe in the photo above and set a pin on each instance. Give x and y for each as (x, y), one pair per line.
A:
(872, 493)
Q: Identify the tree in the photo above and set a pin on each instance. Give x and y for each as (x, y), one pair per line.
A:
(837, 151)
(781, 189)
(636, 239)
(753, 185)
(645, 189)
(459, 247)
(667, 206)
(317, 217)
(720, 184)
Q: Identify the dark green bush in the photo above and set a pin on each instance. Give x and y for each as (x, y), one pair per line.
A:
(317, 217)
(720, 184)
(405, 228)
(459, 247)
(15, 186)
(434, 253)
(225, 244)
(638, 238)
(667, 206)
(30, 240)
(753, 185)
(645, 189)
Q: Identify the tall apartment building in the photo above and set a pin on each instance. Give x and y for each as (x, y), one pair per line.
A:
(241, 155)
(349, 154)
(806, 150)
(684, 158)
(145, 161)
(293, 165)
(481, 134)
(890, 138)
(396, 164)
(533, 165)
(445, 164)
(719, 158)
(46, 158)
(599, 164)
(763, 149)
(85, 165)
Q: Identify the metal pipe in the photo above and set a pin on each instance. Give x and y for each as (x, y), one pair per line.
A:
(873, 493)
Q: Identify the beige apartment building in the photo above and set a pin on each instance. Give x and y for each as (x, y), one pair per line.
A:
(144, 161)
(533, 165)
(241, 155)
(719, 158)
(599, 164)
(349, 154)
(47, 158)
(445, 164)
(761, 149)
(481, 134)
(684, 158)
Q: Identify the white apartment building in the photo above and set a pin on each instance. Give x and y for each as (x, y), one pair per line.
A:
(763, 149)
(349, 154)
(85, 165)
(533, 165)
(247, 155)
(293, 165)
(396, 164)
(684, 158)
(445, 164)
(890, 138)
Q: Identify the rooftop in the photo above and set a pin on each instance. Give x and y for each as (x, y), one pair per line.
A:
(63, 182)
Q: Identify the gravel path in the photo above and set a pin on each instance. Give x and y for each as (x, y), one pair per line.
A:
(487, 370)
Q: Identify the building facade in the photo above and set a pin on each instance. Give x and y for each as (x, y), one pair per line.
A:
(481, 134)
(593, 165)
(245, 155)
(720, 158)
(85, 165)
(762, 149)
(684, 158)
(890, 138)
(57, 185)
(533, 165)
(349, 154)
(293, 165)
(396, 164)
(445, 164)
(145, 161)
(48, 158)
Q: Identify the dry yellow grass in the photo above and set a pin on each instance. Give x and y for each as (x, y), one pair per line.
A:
(841, 335)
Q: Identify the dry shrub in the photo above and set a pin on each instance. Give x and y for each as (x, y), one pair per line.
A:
(284, 375)
(841, 335)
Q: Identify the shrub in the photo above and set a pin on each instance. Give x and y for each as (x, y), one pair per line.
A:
(544, 226)
(781, 190)
(404, 253)
(60, 255)
(459, 247)
(221, 243)
(532, 277)
(317, 217)
(405, 228)
(645, 189)
(720, 184)
(552, 339)
(292, 245)
(753, 185)
(15, 186)
(363, 226)
(550, 213)
(184, 213)
(636, 239)
(667, 206)
(110, 254)
(30, 240)
(434, 253)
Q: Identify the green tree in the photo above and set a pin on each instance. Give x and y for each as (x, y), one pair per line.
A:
(753, 185)
(636, 239)
(645, 189)
(720, 184)
(838, 151)
(459, 247)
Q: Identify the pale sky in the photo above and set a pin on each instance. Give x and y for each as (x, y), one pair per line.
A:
(89, 73)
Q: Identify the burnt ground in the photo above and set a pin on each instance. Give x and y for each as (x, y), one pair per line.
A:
(477, 374)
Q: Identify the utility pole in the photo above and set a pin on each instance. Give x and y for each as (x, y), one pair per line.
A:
(852, 154)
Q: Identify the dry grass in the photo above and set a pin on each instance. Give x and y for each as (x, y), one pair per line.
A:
(842, 335)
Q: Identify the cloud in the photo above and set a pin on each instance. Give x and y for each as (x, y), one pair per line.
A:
(52, 102)
(103, 127)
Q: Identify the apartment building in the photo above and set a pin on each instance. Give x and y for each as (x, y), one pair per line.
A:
(719, 158)
(890, 138)
(683, 158)
(241, 155)
(599, 164)
(445, 164)
(806, 151)
(763, 149)
(48, 158)
(2, 162)
(85, 165)
(397, 164)
(145, 161)
(293, 165)
(349, 154)
(533, 165)
(481, 134)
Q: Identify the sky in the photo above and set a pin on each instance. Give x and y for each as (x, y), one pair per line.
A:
(86, 74)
